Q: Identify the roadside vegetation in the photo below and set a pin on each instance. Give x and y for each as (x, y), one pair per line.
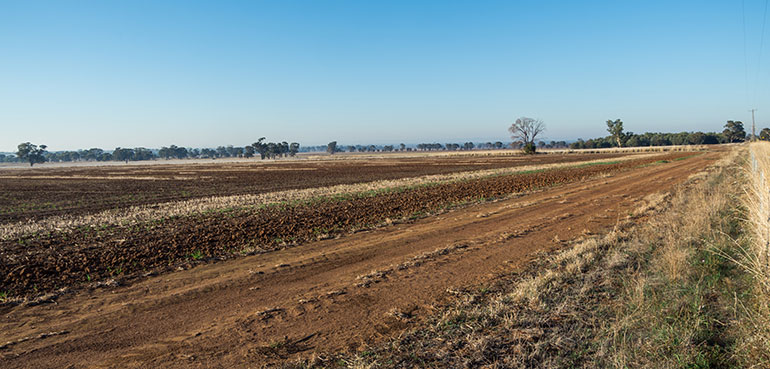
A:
(682, 282)
(754, 259)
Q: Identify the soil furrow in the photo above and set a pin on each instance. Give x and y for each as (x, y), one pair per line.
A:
(34, 193)
(38, 264)
(303, 300)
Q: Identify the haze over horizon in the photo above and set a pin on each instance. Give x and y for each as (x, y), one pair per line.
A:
(105, 74)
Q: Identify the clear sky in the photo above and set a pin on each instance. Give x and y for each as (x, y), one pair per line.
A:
(79, 74)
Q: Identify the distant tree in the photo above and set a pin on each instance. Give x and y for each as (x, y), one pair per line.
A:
(121, 154)
(696, 138)
(140, 153)
(615, 128)
(238, 152)
(293, 149)
(208, 153)
(272, 150)
(711, 138)
(221, 152)
(526, 130)
(734, 131)
(92, 154)
(230, 151)
(164, 152)
(468, 146)
(179, 152)
(633, 141)
(401, 147)
(331, 147)
(764, 134)
(659, 140)
(248, 151)
(260, 147)
(579, 144)
(31, 153)
(680, 138)
(498, 145)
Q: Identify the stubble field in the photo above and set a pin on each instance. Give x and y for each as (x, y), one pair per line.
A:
(319, 252)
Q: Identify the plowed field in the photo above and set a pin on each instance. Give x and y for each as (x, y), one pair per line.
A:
(43, 263)
(32, 193)
(337, 293)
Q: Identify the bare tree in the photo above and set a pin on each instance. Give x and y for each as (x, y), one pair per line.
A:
(526, 130)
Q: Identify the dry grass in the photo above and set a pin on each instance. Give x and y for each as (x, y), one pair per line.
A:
(144, 213)
(674, 307)
(505, 152)
(672, 148)
(754, 344)
(657, 292)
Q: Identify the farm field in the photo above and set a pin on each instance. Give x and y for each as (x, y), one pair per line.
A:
(261, 281)
(31, 193)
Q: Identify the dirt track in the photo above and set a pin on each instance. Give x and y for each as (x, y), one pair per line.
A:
(297, 301)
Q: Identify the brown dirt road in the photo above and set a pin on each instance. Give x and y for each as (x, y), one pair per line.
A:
(294, 302)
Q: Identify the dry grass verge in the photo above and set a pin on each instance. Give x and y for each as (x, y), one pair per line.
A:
(754, 327)
(660, 290)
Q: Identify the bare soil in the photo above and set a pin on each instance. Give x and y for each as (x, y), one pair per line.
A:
(32, 193)
(329, 295)
(41, 263)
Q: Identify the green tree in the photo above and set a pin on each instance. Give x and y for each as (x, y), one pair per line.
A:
(696, 138)
(248, 151)
(633, 141)
(734, 131)
(121, 154)
(31, 153)
(615, 128)
(331, 147)
(764, 134)
(260, 147)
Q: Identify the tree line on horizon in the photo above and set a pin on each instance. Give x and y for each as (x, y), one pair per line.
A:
(733, 132)
(34, 154)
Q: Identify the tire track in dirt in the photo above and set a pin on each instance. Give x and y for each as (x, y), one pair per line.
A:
(267, 308)
(45, 262)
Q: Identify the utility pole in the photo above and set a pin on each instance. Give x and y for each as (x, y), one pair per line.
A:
(753, 127)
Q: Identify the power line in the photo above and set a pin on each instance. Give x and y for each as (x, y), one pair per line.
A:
(745, 50)
(761, 44)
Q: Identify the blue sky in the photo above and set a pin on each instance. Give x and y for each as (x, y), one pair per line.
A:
(79, 74)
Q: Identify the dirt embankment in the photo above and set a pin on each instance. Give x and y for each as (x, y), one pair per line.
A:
(334, 294)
